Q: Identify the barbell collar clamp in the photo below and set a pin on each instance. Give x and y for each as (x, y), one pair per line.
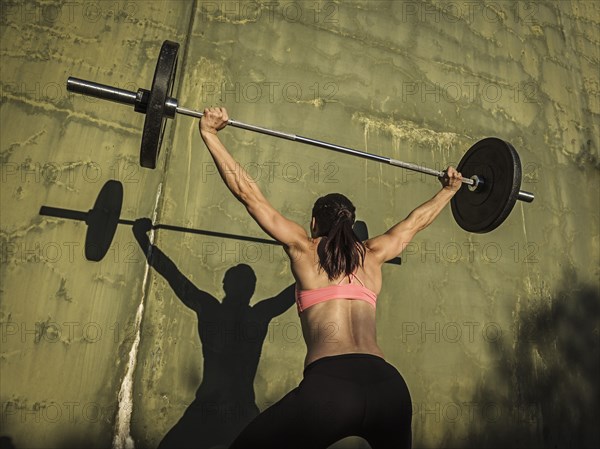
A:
(141, 101)
(170, 107)
(477, 183)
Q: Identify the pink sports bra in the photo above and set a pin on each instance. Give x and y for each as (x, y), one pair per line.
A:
(308, 298)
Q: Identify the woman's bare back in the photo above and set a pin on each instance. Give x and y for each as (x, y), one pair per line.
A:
(337, 326)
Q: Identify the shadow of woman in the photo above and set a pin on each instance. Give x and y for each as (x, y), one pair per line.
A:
(232, 334)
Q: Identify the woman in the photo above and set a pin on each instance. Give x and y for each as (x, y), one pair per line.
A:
(348, 388)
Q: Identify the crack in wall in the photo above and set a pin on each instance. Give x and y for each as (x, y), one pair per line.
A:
(122, 434)
(122, 438)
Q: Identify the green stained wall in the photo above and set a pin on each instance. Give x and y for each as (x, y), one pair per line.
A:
(496, 334)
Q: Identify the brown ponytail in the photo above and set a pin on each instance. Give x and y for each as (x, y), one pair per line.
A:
(340, 250)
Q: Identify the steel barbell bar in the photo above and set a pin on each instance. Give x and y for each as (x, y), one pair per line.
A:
(491, 168)
(139, 102)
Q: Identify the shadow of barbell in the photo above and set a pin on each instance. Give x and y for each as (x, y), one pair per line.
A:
(102, 221)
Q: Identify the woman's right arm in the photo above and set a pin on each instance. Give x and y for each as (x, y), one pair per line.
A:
(389, 245)
(242, 186)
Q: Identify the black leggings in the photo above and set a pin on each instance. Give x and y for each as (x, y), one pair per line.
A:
(339, 396)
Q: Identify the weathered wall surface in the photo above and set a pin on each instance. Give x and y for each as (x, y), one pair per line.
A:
(65, 321)
(496, 334)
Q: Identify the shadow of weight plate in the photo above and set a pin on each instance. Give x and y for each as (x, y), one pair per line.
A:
(498, 164)
(158, 108)
(361, 231)
(102, 220)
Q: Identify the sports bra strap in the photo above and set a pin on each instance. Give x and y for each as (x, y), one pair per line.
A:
(350, 276)
(358, 279)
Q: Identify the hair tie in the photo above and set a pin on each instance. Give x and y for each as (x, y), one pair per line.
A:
(344, 214)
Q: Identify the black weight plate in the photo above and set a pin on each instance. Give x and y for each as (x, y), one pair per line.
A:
(162, 86)
(102, 220)
(361, 231)
(497, 162)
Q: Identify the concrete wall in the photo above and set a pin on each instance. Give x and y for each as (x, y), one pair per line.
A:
(496, 334)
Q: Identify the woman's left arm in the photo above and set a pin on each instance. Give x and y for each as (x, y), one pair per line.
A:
(243, 187)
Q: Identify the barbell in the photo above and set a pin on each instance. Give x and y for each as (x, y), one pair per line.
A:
(102, 220)
(491, 168)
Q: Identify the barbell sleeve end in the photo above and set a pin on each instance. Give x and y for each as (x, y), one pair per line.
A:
(527, 197)
(101, 91)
